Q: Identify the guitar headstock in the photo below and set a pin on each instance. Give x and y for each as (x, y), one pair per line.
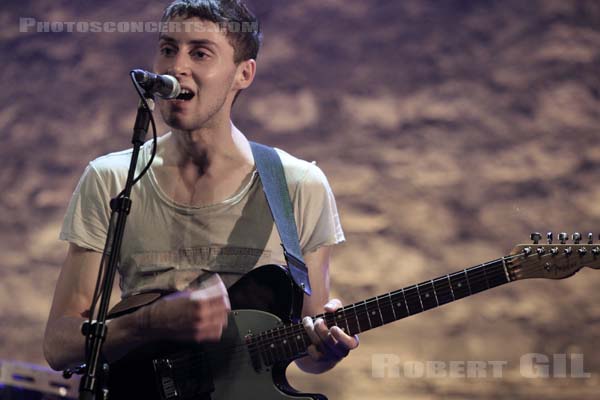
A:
(553, 260)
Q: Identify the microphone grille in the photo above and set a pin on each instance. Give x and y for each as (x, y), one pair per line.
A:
(175, 87)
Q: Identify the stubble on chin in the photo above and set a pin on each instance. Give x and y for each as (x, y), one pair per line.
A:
(175, 121)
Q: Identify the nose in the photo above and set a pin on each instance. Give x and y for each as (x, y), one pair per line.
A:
(180, 65)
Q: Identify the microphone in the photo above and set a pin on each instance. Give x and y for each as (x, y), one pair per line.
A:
(165, 86)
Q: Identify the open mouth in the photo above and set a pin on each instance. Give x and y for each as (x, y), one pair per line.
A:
(185, 95)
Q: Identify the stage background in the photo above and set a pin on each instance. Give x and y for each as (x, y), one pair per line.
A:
(449, 131)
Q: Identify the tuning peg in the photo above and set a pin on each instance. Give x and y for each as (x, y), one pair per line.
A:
(536, 236)
(590, 238)
(576, 237)
(549, 236)
(563, 237)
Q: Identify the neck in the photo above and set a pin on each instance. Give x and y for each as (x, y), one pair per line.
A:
(207, 150)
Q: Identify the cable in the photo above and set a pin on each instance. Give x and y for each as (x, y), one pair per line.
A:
(102, 269)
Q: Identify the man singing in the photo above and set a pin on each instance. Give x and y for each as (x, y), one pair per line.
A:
(199, 219)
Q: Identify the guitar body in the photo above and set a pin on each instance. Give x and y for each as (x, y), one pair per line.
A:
(263, 299)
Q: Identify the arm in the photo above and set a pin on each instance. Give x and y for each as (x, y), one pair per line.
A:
(195, 315)
(329, 345)
(63, 341)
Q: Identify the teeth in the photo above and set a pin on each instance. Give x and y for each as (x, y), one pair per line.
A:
(185, 91)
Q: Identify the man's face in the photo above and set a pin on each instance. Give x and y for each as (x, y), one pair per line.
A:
(201, 58)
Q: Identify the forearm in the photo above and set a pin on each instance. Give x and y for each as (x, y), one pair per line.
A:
(64, 344)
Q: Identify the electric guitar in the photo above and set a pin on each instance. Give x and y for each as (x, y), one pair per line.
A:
(260, 340)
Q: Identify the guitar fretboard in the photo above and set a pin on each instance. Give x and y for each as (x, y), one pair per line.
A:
(291, 341)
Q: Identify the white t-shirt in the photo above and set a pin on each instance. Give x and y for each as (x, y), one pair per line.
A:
(171, 246)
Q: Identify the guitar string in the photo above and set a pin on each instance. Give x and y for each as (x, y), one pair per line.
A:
(477, 280)
(268, 352)
(266, 338)
(263, 340)
(299, 329)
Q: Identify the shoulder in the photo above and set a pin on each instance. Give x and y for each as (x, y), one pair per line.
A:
(112, 163)
(301, 173)
(298, 171)
(115, 166)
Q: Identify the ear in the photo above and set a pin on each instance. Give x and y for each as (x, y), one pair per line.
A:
(245, 73)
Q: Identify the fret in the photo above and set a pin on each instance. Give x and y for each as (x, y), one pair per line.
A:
(389, 295)
(352, 320)
(426, 295)
(434, 293)
(329, 319)
(374, 315)
(386, 311)
(399, 305)
(266, 349)
(273, 346)
(391, 303)
(413, 300)
(340, 315)
(451, 290)
(505, 269)
(496, 274)
(362, 316)
(251, 344)
(459, 285)
(290, 335)
(291, 341)
(367, 313)
(285, 343)
(300, 339)
(443, 291)
(477, 279)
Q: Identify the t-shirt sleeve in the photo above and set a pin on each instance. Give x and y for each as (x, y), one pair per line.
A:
(86, 220)
(316, 212)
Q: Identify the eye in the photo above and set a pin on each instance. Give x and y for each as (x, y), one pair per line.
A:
(167, 51)
(199, 54)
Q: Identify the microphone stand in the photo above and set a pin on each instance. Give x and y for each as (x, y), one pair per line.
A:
(96, 369)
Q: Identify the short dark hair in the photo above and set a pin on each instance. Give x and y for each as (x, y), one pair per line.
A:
(241, 26)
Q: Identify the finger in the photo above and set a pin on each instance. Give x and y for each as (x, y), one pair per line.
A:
(219, 305)
(209, 332)
(214, 281)
(332, 305)
(329, 346)
(314, 353)
(323, 332)
(334, 351)
(309, 327)
(350, 342)
(222, 294)
(212, 316)
(342, 350)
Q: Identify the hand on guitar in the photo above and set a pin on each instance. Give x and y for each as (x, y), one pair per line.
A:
(328, 344)
(194, 315)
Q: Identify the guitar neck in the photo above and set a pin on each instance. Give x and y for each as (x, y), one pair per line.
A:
(291, 341)
(389, 307)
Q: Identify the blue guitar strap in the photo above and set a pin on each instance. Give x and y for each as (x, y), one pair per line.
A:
(272, 177)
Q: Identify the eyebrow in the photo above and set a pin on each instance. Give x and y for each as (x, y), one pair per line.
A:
(196, 42)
